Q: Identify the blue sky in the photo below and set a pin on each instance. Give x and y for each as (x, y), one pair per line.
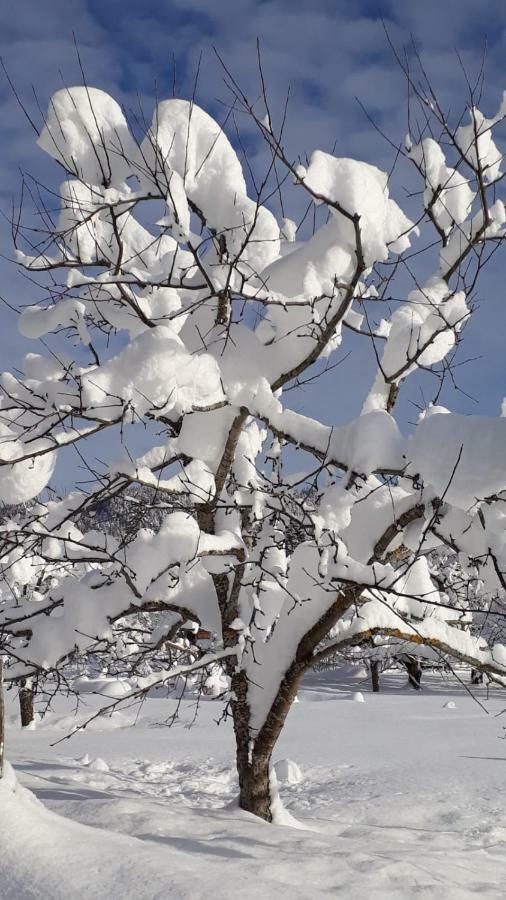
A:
(329, 51)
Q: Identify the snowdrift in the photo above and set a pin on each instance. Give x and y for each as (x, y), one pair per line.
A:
(45, 855)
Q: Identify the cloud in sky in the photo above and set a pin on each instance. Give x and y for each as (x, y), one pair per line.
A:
(329, 51)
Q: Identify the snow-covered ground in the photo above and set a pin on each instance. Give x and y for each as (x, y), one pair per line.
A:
(402, 796)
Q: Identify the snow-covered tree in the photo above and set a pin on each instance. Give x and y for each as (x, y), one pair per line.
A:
(460, 603)
(194, 310)
(27, 578)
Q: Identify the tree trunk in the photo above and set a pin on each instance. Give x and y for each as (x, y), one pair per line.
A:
(476, 676)
(26, 697)
(254, 786)
(414, 670)
(2, 717)
(375, 676)
(252, 768)
(254, 755)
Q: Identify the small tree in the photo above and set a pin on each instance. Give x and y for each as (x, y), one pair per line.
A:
(193, 312)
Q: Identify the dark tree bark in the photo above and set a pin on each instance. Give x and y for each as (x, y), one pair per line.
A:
(253, 758)
(254, 786)
(476, 677)
(26, 697)
(2, 717)
(375, 676)
(414, 670)
(252, 765)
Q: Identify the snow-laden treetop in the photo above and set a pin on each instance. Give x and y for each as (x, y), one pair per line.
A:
(193, 309)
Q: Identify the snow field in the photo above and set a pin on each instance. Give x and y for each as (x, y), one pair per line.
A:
(399, 797)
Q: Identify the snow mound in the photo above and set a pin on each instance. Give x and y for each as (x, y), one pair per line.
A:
(84, 760)
(287, 771)
(98, 765)
(107, 687)
(450, 705)
(357, 697)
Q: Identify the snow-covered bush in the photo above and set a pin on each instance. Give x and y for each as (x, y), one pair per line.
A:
(194, 310)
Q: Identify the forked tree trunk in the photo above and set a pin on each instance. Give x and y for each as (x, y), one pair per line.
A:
(2, 717)
(252, 767)
(26, 698)
(375, 676)
(254, 757)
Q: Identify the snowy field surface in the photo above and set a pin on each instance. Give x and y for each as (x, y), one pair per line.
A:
(400, 796)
